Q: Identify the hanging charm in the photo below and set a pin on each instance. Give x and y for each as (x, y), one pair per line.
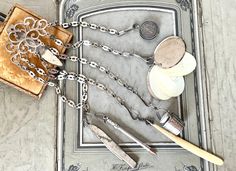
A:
(163, 86)
(172, 62)
(169, 52)
(148, 30)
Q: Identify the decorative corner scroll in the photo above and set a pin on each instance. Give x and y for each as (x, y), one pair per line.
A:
(124, 167)
(77, 167)
(187, 168)
(71, 11)
(184, 4)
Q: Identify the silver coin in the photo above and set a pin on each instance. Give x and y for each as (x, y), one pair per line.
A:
(148, 30)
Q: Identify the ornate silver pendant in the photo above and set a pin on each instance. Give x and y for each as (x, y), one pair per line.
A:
(26, 37)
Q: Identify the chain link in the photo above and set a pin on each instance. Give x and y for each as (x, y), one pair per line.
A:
(70, 102)
(63, 75)
(105, 48)
(110, 74)
(83, 80)
(78, 44)
(92, 26)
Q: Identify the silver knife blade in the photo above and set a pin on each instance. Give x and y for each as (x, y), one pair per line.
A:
(112, 146)
(116, 126)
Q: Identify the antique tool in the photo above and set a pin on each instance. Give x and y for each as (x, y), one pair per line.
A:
(106, 119)
(112, 146)
(18, 47)
(188, 146)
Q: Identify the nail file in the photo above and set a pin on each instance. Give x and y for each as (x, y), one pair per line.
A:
(112, 146)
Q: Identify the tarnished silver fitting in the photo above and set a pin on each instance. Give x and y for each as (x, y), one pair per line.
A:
(172, 122)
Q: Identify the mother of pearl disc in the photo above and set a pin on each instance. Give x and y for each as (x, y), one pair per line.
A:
(169, 52)
(155, 91)
(184, 67)
(163, 86)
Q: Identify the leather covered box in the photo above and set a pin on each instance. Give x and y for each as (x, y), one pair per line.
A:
(11, 74)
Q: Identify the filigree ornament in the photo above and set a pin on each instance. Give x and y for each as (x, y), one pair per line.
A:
(26, 37)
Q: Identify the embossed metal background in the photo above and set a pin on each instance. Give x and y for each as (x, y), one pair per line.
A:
(75, 143)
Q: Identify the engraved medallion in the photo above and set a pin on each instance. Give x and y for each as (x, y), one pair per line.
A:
(169, 52)
(148, 30)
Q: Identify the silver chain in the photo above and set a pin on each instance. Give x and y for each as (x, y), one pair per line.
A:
(93, 26)
(81, 79)
(63, 75)
(54, 74)
(110, 74)
(84, 81)
(78, 44)
(58, 91)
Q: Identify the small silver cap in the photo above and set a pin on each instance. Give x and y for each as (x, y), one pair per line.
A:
(172, 122)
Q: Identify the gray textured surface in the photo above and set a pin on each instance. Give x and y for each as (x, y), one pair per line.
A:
(27, 125)
(219, 46)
